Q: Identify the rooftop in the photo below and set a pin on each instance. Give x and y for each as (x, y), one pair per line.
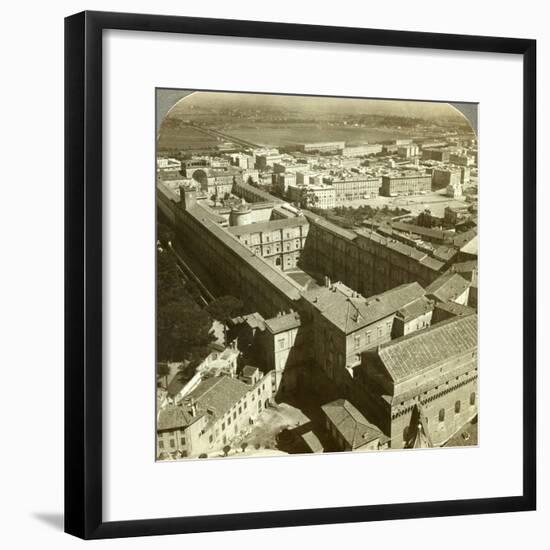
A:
(283, 322)
(218, 394)
(448, 286)
(420, 351)
(352, 425)
(349, 311)
(267, 226)
(173, 417)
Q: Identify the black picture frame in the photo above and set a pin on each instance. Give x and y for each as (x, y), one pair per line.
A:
(83, 273)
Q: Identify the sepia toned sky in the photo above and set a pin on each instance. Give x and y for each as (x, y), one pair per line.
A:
(308, 105)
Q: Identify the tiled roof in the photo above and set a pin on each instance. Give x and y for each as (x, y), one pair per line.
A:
(455, 309)
(218, 394)
(283, 322)
(352, 425)
(415, 309)
(420, 351)
(350, 311)
(172, 417)
(447, 287)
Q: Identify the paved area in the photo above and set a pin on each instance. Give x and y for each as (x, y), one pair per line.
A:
(435, 201)
(465, 436)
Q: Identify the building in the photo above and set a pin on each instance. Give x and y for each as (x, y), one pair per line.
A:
(455, 214)
(449, 287)
(349, 429)
(364, 259)
(454, 190)
(212, 415)
(405, 184)
(424, 381)
(408, 151)
(322, 147)
(353, 189)
(279, 242)
(344, 324)
(439, 154)
(168, 169)
(443, 177)
(317, 195)
(362, 150)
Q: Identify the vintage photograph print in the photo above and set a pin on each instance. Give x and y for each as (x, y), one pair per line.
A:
(317, 274)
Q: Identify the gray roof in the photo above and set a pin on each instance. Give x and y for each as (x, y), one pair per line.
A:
(350, 311)
(352, 425)
(420, 351)
(218, 394)
(447, 287)
(173, 417)
(283, 322)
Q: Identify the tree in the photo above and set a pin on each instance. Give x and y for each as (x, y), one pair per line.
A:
(226, 450)
(163, 370)
(224, 308)
(165, 234)
(183, 329)
(203, 455)
(244, 445)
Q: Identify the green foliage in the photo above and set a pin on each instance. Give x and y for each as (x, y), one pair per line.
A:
(183, 328)
(226, 450)
(165, 234)
(224, 308)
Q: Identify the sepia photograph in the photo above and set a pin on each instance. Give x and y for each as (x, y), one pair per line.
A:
(316, 274)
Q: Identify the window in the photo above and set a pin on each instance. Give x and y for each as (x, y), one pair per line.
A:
(472, 398)
(259, 391)
(240, 410)
(357, 341)
(234, 415)
(457, 407)
(229, 421)
(244, 405)
(379, 332)
(183, 440)
(263, 386)
(161, 444)
(223, 426)
(172, 443)
(441, 415)
(210, 438)
(281, 343)
(368, 337)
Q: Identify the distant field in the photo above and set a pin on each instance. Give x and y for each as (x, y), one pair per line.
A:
(286, 134)
(182, 139)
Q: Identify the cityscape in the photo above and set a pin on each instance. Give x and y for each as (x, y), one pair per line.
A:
(317, 275)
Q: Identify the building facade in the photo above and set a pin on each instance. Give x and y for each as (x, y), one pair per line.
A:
(405, 184)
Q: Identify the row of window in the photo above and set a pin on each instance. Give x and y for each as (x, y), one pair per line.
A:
(172, 443)
(368, 333)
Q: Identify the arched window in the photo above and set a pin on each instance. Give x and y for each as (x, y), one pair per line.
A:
(278, 262)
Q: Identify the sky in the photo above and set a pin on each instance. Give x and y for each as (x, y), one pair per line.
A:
(308, 105)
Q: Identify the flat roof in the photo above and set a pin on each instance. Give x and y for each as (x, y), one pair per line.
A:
(273, 225)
